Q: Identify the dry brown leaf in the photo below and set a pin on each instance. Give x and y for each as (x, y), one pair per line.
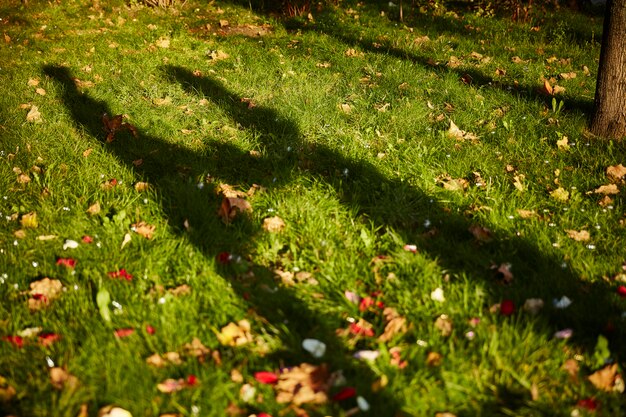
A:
(29, 220)
(605, 378)
(20, 234)
(434, 359)
(40, 91)
(578, 236)
(503, 273)
(94, 208)
(180, 290)
(87, 152)
(33, 82)
(526, 214)
(547, 88)
(608, 189)
(229, 191)
(161, 361)
(171, 385)
(7, 392)
(346, 108)
(196, 349)
(461, 135)
(352, 53)
(33, 115)
(558, 89)
(517, 60)
(616, 173)
(162, 101)
(452, 184)
(23, 179)
(396, 324)
(231, 207)
(567, 75)
(113, 411)
(481, 234)
(218, 55)
(235, 334)
(571, 367)
(605, 201)
(236, 376)
(116, 124)
(163, 43)
(42, 292)
(142, 186)
(303, 384)
(60, 379)
(144, 229)
(444, 325)
(273, 224)
(444, 414)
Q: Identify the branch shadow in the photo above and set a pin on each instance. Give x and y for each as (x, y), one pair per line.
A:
(387, 202)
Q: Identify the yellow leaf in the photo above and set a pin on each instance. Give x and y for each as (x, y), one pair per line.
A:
(517, 182)
(235, 334)
(605, 378)
(560, 194)
(23, 179)
(163, 43)
(87, 152)
(563, 144)
(29, 220)
(142, 186)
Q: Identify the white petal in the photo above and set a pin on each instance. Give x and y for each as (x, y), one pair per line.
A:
(314, 347)
(362, 403)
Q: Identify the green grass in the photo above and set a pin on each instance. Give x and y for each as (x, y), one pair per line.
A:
(347, 134)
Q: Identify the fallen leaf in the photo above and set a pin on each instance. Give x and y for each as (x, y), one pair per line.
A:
(231, 207)
(29, 220)
(303, 384)
(218, 55)
(161, 361)
(33, 82)
(567, 75)
(560, 194)
(235, 334)
(116, 124)
(23, 179)
(19, 234)
(7, 392)
(578, 236)
(223, 23)
(171, 385)
(533, 305)
(87, 152)
(94, 208)
(604, 379)
(352, 53)
(563, 144)
(273, 224)
(460, 135)
(608, 189)
(162, 101)
(395, 325)
(346, 108)
(444, 325)
(163, 43)
(503, 273)
(40, 91)
(434, 359)
(60, 379)
(558, 89)
(616, 173)
(481, 233)
(452, 184)
(196, 349)
(572, 368)
(526, 214)
(144, 229)
(547, 88)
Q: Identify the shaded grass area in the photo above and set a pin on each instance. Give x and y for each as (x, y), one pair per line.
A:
(343, 121)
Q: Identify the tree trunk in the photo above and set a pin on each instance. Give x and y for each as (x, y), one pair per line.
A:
(609, 114)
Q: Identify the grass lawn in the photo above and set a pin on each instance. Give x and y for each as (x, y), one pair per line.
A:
(328, 216)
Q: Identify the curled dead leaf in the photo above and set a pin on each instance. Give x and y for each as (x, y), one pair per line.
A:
(235, 334)
(444, 325)
(42, 292)
(609, 189)
(60, 379)
(616, 173)
(231, 207)
(273, 224)
(303, 384)
(605, 379)
(144, 229)
(578, 236)
(196, 349)
(33, 115)
(560, 194)
(141, 186)
(29, 220)
(434, 359)
(395, 325)
(480, 233)
(116, 124)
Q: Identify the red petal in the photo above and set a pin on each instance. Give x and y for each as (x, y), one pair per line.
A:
(621, 291)
(14, 340)
(113, 181)
(344, 394)
(124, 332)
(192, 380)
(266, 377)
(507, 307)
(87, 239)
(150, 330)
(263, 415)
(68, 262)
(588, 403)
(366, 303)
(224, 257)
(47, 339)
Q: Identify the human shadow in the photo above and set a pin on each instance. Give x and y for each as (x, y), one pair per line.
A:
(387, 202)
(183, 204)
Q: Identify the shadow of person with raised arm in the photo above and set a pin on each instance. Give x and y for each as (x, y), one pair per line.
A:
(182, 203)
(370, 191)
(365, 188)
